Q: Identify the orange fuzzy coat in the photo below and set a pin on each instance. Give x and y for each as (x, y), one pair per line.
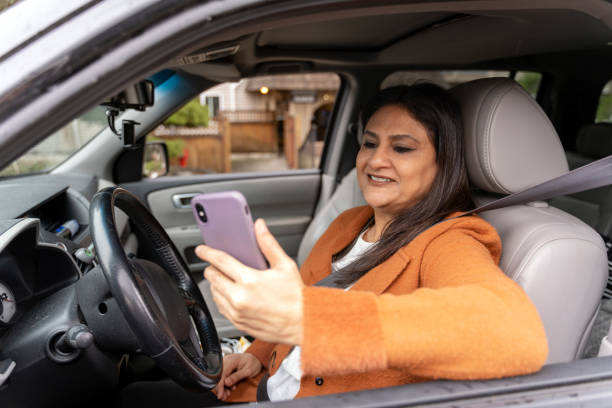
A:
(438, 308)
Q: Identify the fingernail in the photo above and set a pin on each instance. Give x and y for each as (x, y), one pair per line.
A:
(260, 224)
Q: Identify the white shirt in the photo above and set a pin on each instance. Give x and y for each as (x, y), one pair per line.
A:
(285, 383)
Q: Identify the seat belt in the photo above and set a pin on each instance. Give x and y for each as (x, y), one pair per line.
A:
(593, 175)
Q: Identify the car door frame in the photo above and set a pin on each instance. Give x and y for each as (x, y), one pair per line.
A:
(35, 111)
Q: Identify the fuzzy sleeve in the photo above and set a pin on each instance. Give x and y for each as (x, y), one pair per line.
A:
(466, 321)
(262, 349)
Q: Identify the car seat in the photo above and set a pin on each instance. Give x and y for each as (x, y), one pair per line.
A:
(347, 195)
(557, 259)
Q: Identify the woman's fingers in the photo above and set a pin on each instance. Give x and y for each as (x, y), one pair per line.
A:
(229, 365)
(221, 284)
(221, 394)
(218, 278)
(237, 376)
(219, 389)
(236, 367)
(223, 301)
(269, 246)
(249, 366)
(225, 263)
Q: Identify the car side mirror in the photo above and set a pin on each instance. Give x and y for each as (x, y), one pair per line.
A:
(155, 162)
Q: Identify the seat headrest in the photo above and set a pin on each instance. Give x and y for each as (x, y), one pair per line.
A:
(510, 144)
(595, 140)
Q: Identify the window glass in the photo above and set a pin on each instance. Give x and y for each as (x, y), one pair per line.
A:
(260, 124)
(213, 105)
(530, 81)
(60, 145)
(446, 79)
(604, 109)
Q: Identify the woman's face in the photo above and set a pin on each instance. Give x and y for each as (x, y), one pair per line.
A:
(396, 164)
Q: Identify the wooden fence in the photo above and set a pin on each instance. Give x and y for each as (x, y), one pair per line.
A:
(208, 149)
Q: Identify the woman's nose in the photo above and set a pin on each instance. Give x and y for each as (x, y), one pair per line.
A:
(379, 158)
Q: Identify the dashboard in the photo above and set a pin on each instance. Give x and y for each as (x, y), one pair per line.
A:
(36, 249)
(30, 270)
(45, 250)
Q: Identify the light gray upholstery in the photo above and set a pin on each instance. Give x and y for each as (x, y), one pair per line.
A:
(347, 195)
(510, 144)
(557, 259)
(594, 206)
(560, 263)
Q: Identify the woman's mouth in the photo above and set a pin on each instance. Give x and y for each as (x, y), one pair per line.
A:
(379, 179)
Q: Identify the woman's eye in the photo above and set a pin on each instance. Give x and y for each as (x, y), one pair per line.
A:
(402, 149)
(369, 145)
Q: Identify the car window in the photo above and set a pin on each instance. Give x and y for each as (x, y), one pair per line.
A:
(530, 81)
(60, 145)
(604, 109)
(447, 79)
(261, 124)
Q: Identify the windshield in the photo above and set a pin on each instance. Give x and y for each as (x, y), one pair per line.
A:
(60, 145)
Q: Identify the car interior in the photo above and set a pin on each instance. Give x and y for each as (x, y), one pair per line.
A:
(557, 250)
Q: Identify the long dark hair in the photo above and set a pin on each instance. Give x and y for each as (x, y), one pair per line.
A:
(437, 110)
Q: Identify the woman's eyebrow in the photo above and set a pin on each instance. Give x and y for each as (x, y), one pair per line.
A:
(392, 137)
(406, 136)
(369, 132)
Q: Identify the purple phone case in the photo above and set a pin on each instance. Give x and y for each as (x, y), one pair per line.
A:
(229, 226)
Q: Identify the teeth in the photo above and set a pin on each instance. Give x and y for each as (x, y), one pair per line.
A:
(379, 179)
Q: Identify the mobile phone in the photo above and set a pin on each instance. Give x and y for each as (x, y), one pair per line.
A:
(226, 224)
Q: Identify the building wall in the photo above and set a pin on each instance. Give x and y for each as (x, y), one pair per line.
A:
(233, 96)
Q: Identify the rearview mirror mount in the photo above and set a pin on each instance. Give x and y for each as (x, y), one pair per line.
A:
(139, 96)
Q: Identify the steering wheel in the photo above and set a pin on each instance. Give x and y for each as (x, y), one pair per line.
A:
(161, 304)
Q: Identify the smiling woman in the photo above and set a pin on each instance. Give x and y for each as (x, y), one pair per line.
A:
(420, 144)
(390, 294)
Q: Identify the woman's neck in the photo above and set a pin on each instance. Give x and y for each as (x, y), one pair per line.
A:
(381, 220)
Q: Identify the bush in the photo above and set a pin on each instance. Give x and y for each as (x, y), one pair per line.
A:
(530, 81)
(191, 114)
(175, 147)
(604, 110)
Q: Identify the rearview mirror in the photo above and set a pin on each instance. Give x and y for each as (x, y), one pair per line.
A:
(139, 96)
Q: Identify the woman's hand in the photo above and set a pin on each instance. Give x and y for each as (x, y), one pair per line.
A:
(236, 367)
(266, 304)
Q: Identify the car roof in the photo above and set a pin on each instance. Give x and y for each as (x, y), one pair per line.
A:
(102, 46)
